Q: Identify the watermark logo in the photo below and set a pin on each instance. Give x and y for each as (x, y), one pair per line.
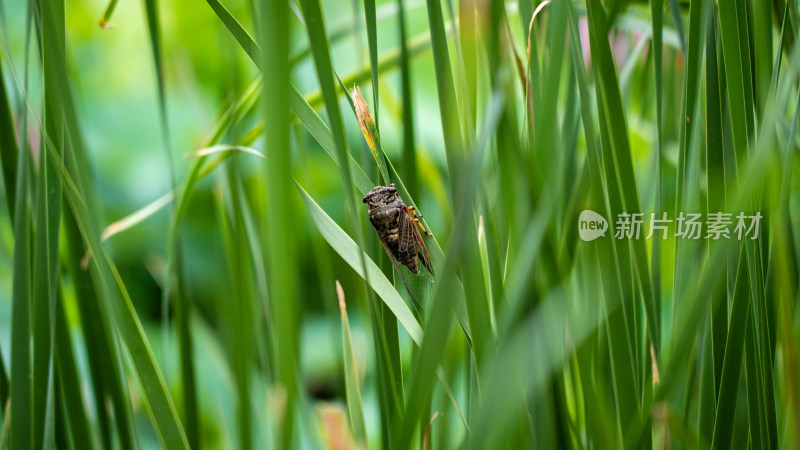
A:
(717, 225)
(591, 225)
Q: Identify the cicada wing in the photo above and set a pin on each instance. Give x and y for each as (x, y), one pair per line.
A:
(405, 229)
(423, 254)
(410, 235)
(402, 278)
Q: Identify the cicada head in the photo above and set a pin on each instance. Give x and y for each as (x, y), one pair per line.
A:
(381, 196)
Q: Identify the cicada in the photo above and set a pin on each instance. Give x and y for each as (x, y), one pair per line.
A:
(398, 228)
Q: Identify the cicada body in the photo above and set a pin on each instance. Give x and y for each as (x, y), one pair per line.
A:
(398, 228)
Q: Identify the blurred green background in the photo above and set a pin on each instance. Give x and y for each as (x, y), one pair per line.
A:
(532, 338)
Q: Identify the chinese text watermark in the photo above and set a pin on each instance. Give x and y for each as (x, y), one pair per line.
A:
(714, 226)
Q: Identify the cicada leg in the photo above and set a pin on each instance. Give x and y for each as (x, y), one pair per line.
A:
(416, 217)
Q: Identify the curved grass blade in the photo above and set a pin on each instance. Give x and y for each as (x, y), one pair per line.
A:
(322, 134)
(304, 111)
(349, 251)
(390, 60)
(317, 127)
(147, 211)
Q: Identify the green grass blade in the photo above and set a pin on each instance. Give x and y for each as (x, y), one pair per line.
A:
(389, 61)
(613, 110)
(107, 13)
(656, 13)
(372, 40)
(21, 390)
(45, 270)
(46, 242)
(730, 35)
(762, 43)
(315, 125)
(751, 180)
(369, 129)
(352, 254)
(349, 251)
(69, 381)
(4, 382)
(561, 343)
(734, 349)
(601, 200)
(744, 25)
(485, 268)
(477, 308)
(239, 313)
(279, 246)
(448, 105)
(618, 172)
(676, 14)
(754, 384)
(698, 19)
(388, 362)
(409, 165)
(352, 384)
(8, 148)
(437, 255)
(79, 196)
(716, 186)
(320, 131)
(425, 363)
(182, 312)
(154, 33)
(158, 401)
(241, 35)
(183, 305)
(439, 320)
(102, 347)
